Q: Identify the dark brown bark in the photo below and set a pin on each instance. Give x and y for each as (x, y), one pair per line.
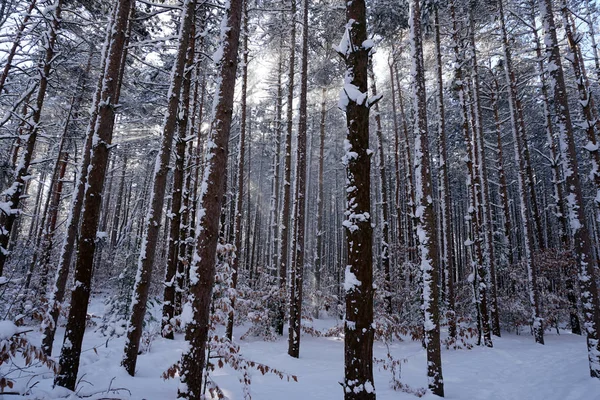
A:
(581, 235)
(239, 200)
(448, 258)
(319, 253)
(298, 244)
(68, 247)
(175, 215)
(202, 271)
(460, 83)
(358, 328)
(102, 137)
(523, 173)
(425, 215)
(385, 229)
(287, 176)
(152, 223)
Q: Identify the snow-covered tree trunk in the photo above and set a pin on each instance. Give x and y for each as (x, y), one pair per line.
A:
(119, 208)
(484, 210)
(503, 183)
(425, 212)
(557, 185)
(577, 221)
(202, 269)
(354, 48)
(448, 256)
(101, 137)
(473, 217)
(57, 292)
(400, 242)
(519, 139)
(287, 177)
(319, 247)
(276, 195)
(239, 200)
(295, 327)
(177, 196)
(157, 197)
(385, 228)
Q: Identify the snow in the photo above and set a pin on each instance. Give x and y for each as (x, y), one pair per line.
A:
(7, 329)
(350, 281)
(516, 368)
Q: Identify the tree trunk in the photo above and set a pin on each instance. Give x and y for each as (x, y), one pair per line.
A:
(239, 200)
(287, 176)
(577, 220)
(157, 198)
(425, 213)
(385, 230)
(519, 143)
(16, 43)
(102, 137)
(299, 243)
(319, 253)
(358, 328)
(448, 258)
(202, 270)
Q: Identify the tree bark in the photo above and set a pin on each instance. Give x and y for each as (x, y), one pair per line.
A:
(202, 270)
(299, 243)
(154, 216)
(358, 328)
(101, 141)
(425, 212)
(581, 235)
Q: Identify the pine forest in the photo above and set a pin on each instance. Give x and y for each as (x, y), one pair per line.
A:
(300, 199)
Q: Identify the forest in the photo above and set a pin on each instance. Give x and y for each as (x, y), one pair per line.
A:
(301, 199)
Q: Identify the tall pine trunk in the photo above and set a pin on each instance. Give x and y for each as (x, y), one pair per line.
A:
(354, 98)
(202, 270)
(425, 212)
(101, 142)
(581, 235)
(157, 197)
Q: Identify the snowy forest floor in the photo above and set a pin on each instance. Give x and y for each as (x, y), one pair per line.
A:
(516, 368)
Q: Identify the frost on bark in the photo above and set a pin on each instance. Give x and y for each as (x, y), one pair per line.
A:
(577, 221)
(425, 213)
(488, 278)
(355, 102)
(101, 137)
(202, 269)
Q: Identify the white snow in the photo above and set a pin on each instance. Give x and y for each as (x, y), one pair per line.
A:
(7, 329)
(515, 368)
